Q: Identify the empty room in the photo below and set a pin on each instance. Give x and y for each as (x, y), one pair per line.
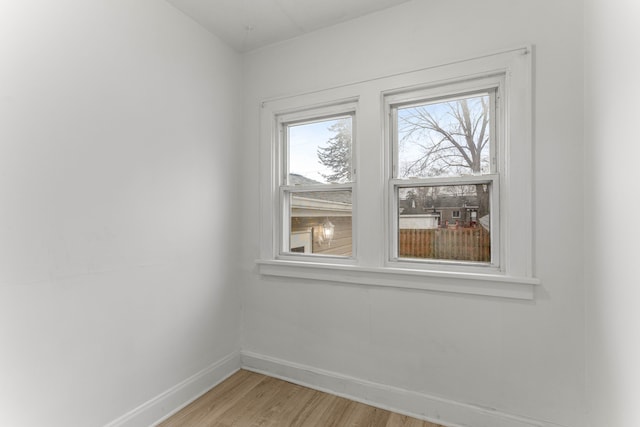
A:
(319, 213)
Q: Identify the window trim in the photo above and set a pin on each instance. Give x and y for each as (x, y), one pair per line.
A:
(515, 279)
(502, 286)
(312, 114)
(468, 85)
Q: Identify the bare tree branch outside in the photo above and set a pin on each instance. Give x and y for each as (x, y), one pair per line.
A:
(449, 138)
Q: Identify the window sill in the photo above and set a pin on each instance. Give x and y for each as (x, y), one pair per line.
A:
(494, 285)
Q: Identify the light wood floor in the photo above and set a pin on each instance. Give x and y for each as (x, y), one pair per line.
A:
(247, 399)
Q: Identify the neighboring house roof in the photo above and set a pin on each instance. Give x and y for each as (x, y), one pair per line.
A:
(296, 179)
(340, 196)
(318, 203)
(312, 207)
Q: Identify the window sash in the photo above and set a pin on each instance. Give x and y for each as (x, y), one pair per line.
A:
(493, 85)
(284, 251)
(285, 144)
(438, 93)
(346, 108)
(395, 185)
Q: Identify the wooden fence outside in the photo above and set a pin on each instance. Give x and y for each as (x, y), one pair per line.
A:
(462, 244)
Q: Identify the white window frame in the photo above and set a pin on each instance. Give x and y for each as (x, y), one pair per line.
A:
(372, 264)
(494, 85)
(299, 117)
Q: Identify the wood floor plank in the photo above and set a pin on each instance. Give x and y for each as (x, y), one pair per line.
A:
(397, 420)
(285, 411)
(250, 406)
(366, 416)
(276, 410)
(314, 413)
(247, 399)
(211, 405)
(335, 414)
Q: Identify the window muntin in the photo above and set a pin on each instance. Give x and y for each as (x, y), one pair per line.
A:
(317, 185)
(443, 148)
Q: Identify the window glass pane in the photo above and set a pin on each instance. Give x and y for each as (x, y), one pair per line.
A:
(320, 152)
(444, 138)
(320, 222)
(445, 222)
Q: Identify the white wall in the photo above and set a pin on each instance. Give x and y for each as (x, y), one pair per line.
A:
(118, 133)
(522, 359)
(612, 203)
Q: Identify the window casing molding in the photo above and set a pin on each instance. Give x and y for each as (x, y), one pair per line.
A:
(374, 264)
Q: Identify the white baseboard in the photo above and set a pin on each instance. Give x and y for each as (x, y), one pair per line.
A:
(177, 397)
(419, 405)
(415, 404)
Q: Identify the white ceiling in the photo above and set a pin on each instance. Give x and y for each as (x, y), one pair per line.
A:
(249, 24)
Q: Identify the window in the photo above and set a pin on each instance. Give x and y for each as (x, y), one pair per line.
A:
(445, 143)
(316, 188)
(442, 200)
